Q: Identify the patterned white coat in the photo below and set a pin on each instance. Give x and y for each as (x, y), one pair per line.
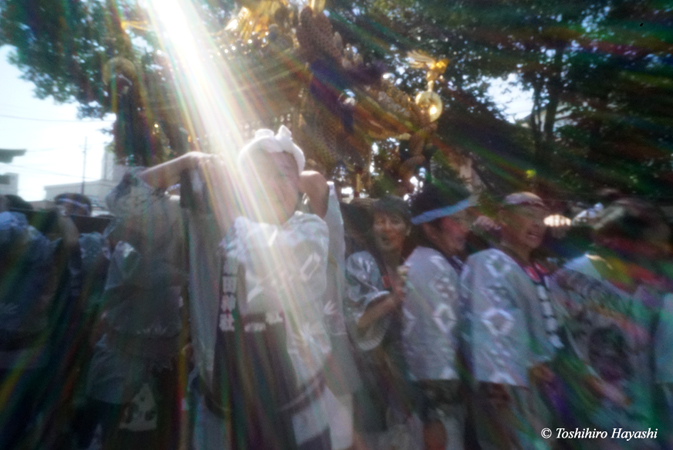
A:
(430, 334)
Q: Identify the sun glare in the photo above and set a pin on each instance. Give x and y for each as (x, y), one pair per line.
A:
(203, 83)
(205, 86)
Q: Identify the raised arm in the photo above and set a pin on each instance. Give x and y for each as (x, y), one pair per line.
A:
(167, 174)
(380, 309)
(314, 185)
(216, 178)
(369, 307)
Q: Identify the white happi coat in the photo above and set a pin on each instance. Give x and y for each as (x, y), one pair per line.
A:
(505, 336)
(505, 320)
(285, 271)
(430, 334)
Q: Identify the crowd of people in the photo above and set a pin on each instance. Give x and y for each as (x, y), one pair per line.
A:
(243, 314)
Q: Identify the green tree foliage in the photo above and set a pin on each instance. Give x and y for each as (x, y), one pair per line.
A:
(617, 83)
(61, 47)
(599, 73)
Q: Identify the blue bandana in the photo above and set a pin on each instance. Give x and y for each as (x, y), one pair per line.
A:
(445, 211)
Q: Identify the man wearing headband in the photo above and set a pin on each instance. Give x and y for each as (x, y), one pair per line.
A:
(74, 204)
(513, 331)
(258, 334)
(442, 216)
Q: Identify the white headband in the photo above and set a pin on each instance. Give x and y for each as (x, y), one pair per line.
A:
(281, 142)
(445, 211)
(76, 204)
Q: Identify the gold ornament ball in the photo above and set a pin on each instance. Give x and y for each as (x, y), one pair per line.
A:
(432, 103)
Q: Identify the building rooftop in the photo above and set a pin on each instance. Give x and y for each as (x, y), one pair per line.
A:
(7, 155)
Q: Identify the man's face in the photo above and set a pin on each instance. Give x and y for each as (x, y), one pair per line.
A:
(454, 231)
(524, 225)
(277, 184)
(390, 231)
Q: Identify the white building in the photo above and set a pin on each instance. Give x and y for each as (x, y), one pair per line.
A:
(96, 190)
(9, 184)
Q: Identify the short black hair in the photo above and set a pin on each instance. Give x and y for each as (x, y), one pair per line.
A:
(16, 202)
(438, 195)
(628, 218)
(390, 204)
(608, 195)
(74, 197)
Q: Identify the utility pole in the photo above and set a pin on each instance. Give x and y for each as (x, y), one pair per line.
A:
(84, 165)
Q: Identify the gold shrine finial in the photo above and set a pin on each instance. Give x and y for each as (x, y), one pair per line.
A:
(317, 5)
(429, 100)
(435, 68)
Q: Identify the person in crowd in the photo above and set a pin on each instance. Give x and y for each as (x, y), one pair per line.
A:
(605, 197)
(14, 202)
(616, 305)
(34, 287)
(74, 204)
(374, 297)
(95, 254)
(511, 329)
(132, 382)
(88, 265)
(256, 300)
(26, 292)
(357, 222)
(442, 216)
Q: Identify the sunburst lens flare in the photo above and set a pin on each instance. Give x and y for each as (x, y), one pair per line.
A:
(210, 103)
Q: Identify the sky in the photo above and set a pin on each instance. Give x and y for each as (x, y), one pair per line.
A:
(49, 132)
(515, 103)
(54, 138)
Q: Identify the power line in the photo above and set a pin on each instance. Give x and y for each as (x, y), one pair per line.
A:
(49, 149)
(15, 109)
(42, 150)
(63, 149)
(48, 171)
(49, 120)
